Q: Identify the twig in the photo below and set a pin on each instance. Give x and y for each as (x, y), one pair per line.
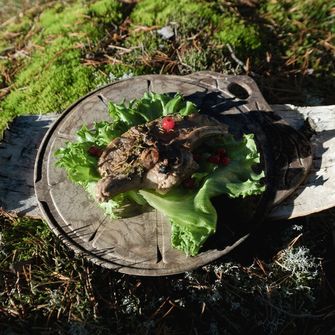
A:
(239, 62)
(261, 266)
(159, 308)
(294, 241)
(168, 312)
(9, 311)
(10, 216)
(182, 63)
(145, 28)
(193, 37)
(5, 91)
(111, 46)
(113, 60)
(6, 51)
(233, 56)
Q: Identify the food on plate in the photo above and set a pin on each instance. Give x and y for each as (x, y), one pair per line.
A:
(160, 150)
(154, 155)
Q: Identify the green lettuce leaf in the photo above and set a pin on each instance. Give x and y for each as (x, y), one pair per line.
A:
(81, 167)
(191, 213)
(148, 108)
(122, 205)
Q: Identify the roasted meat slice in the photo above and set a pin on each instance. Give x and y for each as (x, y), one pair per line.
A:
(149, 157)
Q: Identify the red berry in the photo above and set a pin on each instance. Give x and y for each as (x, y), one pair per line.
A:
(224, 160)
(215, 159)
(168, 123)
(95, 151)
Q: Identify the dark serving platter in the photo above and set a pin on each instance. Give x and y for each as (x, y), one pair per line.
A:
(141, 245)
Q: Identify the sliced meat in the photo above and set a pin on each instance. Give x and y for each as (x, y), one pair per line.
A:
(148, 157)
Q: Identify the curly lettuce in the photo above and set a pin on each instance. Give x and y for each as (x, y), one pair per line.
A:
(81, 166)
(191, 213)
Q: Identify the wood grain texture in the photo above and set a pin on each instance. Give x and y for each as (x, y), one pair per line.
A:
(17, 157)
(317, 193)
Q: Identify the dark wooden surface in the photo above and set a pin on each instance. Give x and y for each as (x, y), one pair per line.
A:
(139, 245)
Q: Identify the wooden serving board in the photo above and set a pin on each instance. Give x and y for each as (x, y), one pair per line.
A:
(141, 245)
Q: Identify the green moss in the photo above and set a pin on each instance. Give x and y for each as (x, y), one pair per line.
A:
(78, 21)
(199, 17)
(13, 32)
(152, 52)
(240, 35)
(189, 17)
(213, 25)
(55, 74)
(106, 10)
(22, 25)
(62, 82)
(5, 118)
(61, 20)
(295, 35)
(188, 14)
(297, 14)
(23, 236)
(302, 27)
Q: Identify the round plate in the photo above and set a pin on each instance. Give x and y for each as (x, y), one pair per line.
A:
(141, 245)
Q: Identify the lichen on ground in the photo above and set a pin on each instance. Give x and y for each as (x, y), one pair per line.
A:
(55, 71)
(45, 281)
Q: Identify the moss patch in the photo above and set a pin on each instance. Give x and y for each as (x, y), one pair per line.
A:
(56, 73)
(305, 33)
(54, 54)
(242, 36)
(203, 31)
(187, 14)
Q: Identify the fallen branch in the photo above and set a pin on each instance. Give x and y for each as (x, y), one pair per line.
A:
(239, 62)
